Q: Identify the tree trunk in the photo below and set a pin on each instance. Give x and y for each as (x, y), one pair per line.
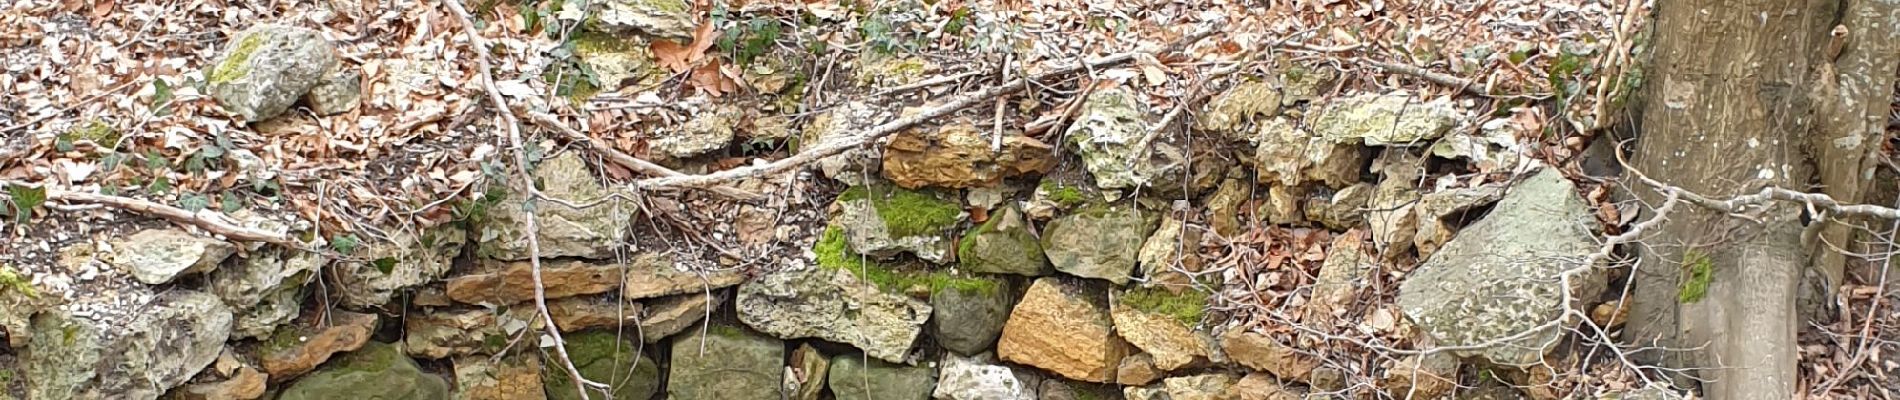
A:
(1737, 87)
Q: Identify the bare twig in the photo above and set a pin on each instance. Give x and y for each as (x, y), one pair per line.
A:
(839, 147)
(1462, 84)
(526, 183)
(623, 159)
(208, 222)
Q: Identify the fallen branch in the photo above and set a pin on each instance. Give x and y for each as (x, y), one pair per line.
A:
(623, 159)
(525, 183)
(208, 222)
(1462, 84)
(878, 132)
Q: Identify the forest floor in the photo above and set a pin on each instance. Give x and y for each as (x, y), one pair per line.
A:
(107, 98)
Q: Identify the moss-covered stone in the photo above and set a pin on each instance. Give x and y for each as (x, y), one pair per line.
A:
(378, 370)
(1188, 307)
(267, 68)
(615, 60)
(734, 365)
(1003, 245)
(602, 357)
(831, 252)
(883, 220)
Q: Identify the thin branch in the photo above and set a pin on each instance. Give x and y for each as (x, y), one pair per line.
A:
(878, 132)
(526, 183)
(208, 222)
(623, 159)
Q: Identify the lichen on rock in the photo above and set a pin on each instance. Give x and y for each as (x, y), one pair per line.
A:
(563, 231)
(1101, 241)
(268, 68)
(1396, 119)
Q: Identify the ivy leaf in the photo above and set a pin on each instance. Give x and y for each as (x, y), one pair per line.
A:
(344, 243)
(25, 199)
(385, 264)
(161, 97)
(230, 203)
(160, 184)
(193, 202)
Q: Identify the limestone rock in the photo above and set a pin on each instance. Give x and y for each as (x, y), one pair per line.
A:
(1172, 344)
(299, 349)
(513, 282)
(969, 321)
(1171, 247)
(180, 333)
(1112, 136)
(853, 379)
(1223, 207)
(958, 155)
(617, 61)
(727, 364)
(1262, 386)
(841, 125)
(378, 370)
(671, 19)
(19, 301)
(602, 357)
(1145, 393)
(442, 333)
(1003, 245)
(977, 378)
(884, 220)
(264, 70)
(1199, 387)
(1434, 209)
(1395, 119)
(807, 376)
(1138, 370)
(1231, 110)
(1301, 83)
(1261, 353)
(564, 231)
(1289, 156)
(833, 305)
(337, 92)
(883, 69)
(1428, 376)
(1283, 205)
(653, 275)
(1492, 148)
(406, 261)
(666, 316)
(1064, 328)
(1499, 277)
(572, 314)
(1108, 134)
(245, 384)
(265, 289)
(1391, 215)
(512, 377)
(1344, 210)
(705, 133)
(1102, 241)
(156, 256)
(1347, 269)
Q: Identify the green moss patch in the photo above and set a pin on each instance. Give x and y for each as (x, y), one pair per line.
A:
(907, 212)
(12, 282)
(96, 131)
(1188, 307)
(239, 63)
(1063, 196)
(1697, 270)
(833, 253)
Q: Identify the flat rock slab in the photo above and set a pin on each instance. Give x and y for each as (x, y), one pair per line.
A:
(1502, 276)
(728, 363)
(833, 305)
(1063, 328)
